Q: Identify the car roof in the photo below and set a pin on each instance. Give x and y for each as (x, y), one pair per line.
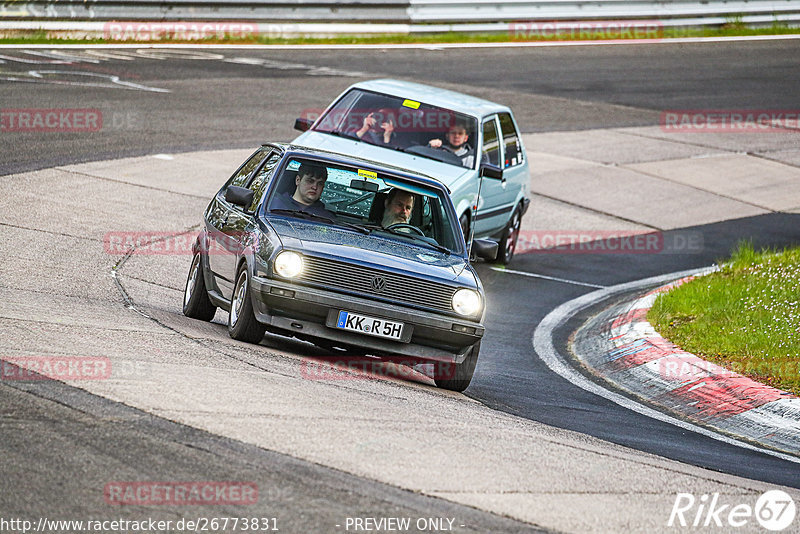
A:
(434, 96)
(334, 157)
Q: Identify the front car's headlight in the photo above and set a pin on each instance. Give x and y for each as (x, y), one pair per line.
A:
(467, 302)
(288, 264)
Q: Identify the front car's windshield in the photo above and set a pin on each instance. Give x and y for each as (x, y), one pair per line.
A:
(403, 124)
(366, 201)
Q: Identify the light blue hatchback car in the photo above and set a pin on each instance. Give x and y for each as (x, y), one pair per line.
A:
(471, 145)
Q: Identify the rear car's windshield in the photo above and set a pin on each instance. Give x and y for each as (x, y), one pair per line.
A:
(366, 201)
(403, 124)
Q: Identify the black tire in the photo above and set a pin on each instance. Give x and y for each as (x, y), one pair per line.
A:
(509, 237)
(457, 376)
(196, 303)
(242, 323)
(464, 222)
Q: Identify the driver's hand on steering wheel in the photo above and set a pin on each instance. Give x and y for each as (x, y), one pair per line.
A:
(435, 143)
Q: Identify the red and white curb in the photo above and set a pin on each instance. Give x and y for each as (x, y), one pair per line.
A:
(636, 358)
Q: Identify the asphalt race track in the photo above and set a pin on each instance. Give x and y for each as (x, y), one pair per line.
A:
(175, 101)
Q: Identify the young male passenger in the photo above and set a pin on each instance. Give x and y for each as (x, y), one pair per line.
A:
(309, 184)
(457, 139)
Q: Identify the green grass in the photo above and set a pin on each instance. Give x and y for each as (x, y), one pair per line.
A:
(746, 317)
(733, 28)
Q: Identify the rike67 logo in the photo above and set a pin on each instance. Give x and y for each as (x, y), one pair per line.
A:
(774, 511)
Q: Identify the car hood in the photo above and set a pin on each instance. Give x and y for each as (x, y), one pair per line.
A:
(443, 172)
(339, 243)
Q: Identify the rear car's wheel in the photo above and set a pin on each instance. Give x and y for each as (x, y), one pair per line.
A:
(242, 323)
(457, 376)
(509, 237)
(464, 221)
(196, 303)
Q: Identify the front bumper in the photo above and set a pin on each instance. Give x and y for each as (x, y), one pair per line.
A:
(312, 312)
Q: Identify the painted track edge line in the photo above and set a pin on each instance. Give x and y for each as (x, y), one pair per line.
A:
(425, 46)
(545, 348)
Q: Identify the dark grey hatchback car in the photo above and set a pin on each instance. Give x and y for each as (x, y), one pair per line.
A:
(341, 252)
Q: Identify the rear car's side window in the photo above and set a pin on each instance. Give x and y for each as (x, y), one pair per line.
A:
(262, 177)
(241, 176)
(514, 154)
(491, 144)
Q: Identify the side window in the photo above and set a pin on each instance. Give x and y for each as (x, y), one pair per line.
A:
(262, 177)
(241, 176)
(513, 153)
(491, 145)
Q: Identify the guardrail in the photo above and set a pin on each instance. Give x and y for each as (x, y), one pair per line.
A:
(395, 16)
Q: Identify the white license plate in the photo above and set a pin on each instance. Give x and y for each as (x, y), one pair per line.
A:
(369, 325)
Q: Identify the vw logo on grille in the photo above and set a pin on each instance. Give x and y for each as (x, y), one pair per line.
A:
(378, 284)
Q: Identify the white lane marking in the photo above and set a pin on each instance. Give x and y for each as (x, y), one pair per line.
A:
(701, 384)
(419, 46)
(76, 56)
(544, 277)
(35, 61)
(313, 70)
(155, 53)
(43, 76)
(545, 348)
(166, 157)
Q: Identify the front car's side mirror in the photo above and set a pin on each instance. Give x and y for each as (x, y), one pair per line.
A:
(490, 170)
(302, 124)
(240, 196)
(485, 249)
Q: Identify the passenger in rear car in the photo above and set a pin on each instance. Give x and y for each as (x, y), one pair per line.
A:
(378, 127)
(457, 142)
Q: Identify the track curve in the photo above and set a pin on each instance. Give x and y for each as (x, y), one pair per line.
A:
(262, 93)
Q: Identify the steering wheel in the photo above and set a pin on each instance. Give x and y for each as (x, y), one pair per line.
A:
(397, 226)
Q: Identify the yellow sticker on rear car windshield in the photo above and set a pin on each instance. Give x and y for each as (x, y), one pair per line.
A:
(411, 104)
(367, 174)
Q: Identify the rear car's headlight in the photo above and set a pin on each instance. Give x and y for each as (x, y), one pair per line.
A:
(466, 302)
(288, 264)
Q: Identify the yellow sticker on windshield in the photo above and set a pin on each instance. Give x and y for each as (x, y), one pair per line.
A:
(411, 104)
(367, 174)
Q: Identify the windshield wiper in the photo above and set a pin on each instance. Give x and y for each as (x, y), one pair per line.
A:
(363, 229)
(339, 133)
(318, 217)
(419, 239)
(302, 213)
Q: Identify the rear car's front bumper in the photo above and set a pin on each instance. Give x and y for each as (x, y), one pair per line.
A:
(313, 312)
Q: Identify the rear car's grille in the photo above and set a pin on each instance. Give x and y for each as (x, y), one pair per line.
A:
(359, 280)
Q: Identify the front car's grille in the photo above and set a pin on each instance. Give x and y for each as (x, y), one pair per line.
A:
(357, 279)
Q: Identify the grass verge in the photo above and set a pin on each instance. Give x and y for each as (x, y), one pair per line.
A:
(746, 317)
(727, 30)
